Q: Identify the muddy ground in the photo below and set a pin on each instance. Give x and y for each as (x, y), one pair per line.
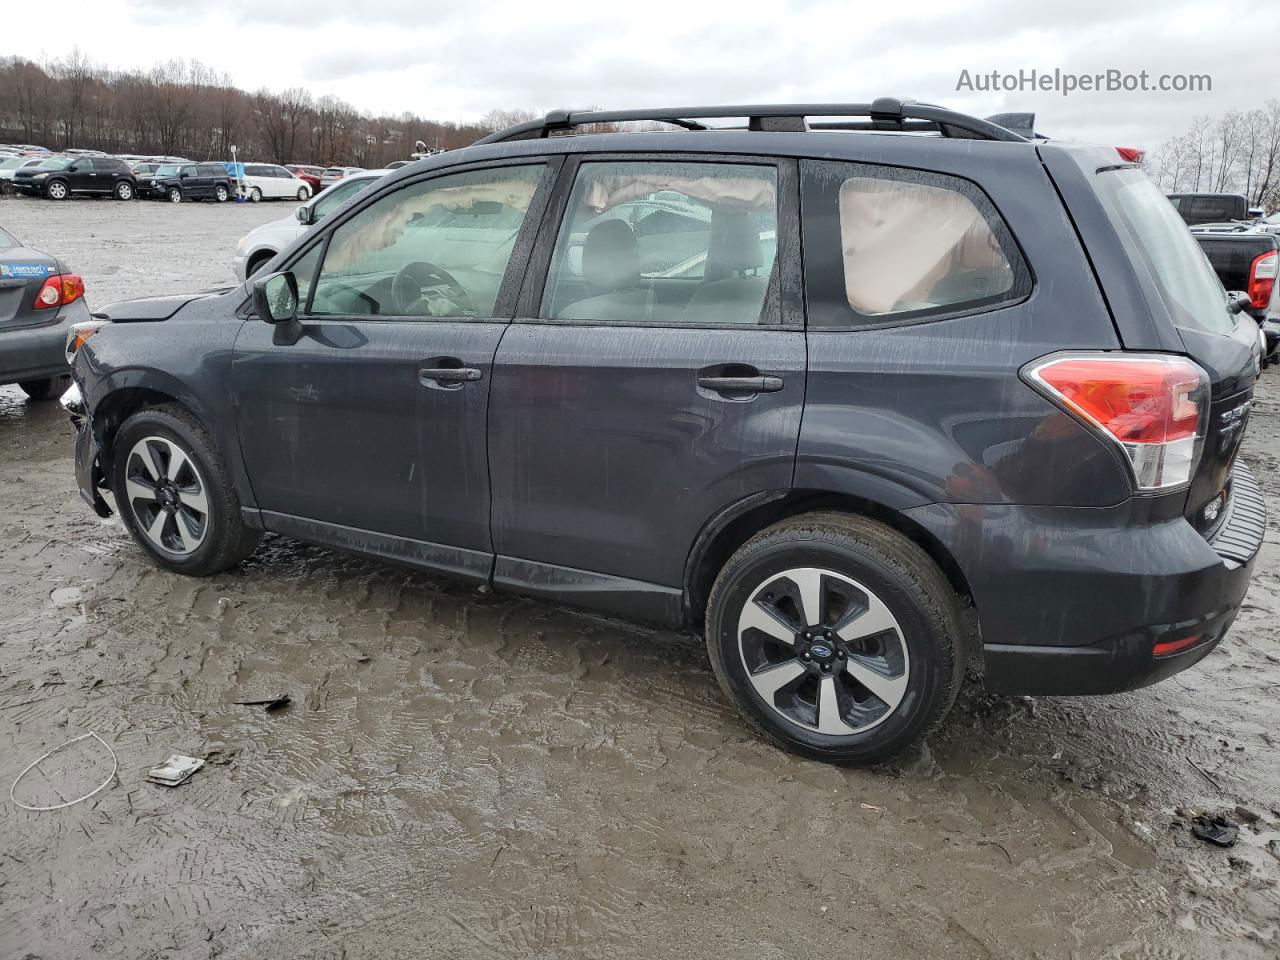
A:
(465, 775)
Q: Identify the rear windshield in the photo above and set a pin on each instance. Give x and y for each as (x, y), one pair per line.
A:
(1152, 228)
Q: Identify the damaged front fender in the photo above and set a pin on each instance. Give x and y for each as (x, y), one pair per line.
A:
(89, 476)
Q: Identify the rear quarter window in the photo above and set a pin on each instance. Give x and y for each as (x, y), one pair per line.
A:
(889, 245)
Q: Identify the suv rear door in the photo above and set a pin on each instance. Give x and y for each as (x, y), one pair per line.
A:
(654, 376)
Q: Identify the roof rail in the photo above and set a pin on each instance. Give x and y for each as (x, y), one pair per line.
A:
(886, 113)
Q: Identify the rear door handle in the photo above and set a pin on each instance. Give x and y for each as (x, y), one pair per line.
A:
(449, 374)
(741, 384)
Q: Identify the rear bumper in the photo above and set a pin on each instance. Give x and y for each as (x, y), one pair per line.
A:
(1078, 601)
(36, 352)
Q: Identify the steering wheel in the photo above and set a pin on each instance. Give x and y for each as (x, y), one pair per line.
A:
(423, 288)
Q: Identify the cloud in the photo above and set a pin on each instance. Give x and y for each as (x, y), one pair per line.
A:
(455, 61)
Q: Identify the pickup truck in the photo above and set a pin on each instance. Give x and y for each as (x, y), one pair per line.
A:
(1197, 208)
(1248, 261)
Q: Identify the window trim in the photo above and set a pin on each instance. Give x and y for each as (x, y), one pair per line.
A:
(824, 262)
(504, 306)
(790, 299)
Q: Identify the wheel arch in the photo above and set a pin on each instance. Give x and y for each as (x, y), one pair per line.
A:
(734, 526)
(132, 394)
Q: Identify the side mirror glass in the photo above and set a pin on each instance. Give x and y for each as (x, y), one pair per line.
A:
(303, 213)
(275, 297)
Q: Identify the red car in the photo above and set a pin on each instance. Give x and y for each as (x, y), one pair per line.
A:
(310, 175)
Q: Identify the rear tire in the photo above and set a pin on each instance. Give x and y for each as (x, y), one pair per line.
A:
(45, 389)
(175, 494)
(221, 194)
(873, 668)
(124, 190)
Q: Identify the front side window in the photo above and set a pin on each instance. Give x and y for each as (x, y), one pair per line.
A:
(666, 243)
(893, 245)
(436, 248)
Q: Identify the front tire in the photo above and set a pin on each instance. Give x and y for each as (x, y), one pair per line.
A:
(255, 195)
(45, 389)
(175, 195)
(837, 637)
(221, 194)
(124, 190)
(57, 190)
(304, 193)
(175, 495)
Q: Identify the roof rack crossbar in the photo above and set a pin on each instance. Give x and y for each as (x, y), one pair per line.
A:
(886, 113)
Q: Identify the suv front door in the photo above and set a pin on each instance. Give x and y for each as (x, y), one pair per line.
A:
(369, 430)
(654, 376)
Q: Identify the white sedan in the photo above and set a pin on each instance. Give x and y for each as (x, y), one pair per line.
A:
(270, 181)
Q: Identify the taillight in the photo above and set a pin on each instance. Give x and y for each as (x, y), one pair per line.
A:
(1131, 154)
(1262, 278)
(59, 290)
(1155, 408)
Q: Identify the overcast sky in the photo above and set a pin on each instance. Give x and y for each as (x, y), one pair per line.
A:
(456, 60)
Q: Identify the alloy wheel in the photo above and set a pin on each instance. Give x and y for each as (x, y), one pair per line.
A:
(58, 190)
(167, 495)
(823, 651)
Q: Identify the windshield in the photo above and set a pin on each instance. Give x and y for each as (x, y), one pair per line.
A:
(57, 163)
(1183, 276)
(11, 163)
(167, 170)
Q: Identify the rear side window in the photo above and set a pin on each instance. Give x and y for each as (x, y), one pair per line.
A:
(1161, 242)
(887, 245)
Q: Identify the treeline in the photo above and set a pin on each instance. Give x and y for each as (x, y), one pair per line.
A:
(185, 108)
(1238, 152)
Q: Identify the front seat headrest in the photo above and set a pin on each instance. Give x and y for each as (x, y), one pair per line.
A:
(611, 256)
(735, 246)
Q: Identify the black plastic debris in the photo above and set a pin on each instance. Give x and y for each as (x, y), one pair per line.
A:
(271, 703)
(1219, 831)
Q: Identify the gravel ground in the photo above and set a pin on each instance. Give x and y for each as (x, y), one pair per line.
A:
(465, 775)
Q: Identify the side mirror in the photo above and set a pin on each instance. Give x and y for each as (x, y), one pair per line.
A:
(74, 167)
(303, 213)
(183, 175)
(275, 297)
(1237, 302)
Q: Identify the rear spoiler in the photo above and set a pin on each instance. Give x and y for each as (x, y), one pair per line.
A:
(1022, 124)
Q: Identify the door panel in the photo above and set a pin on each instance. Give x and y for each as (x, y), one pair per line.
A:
(339, 427)
(606, 454)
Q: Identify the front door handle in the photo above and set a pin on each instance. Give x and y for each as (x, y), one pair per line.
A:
(741, 384)
(449, 374)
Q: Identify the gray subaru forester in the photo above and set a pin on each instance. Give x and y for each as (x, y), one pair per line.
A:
(867, 392)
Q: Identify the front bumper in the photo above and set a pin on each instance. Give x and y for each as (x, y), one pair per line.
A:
(89, 476)
(1075, 601)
